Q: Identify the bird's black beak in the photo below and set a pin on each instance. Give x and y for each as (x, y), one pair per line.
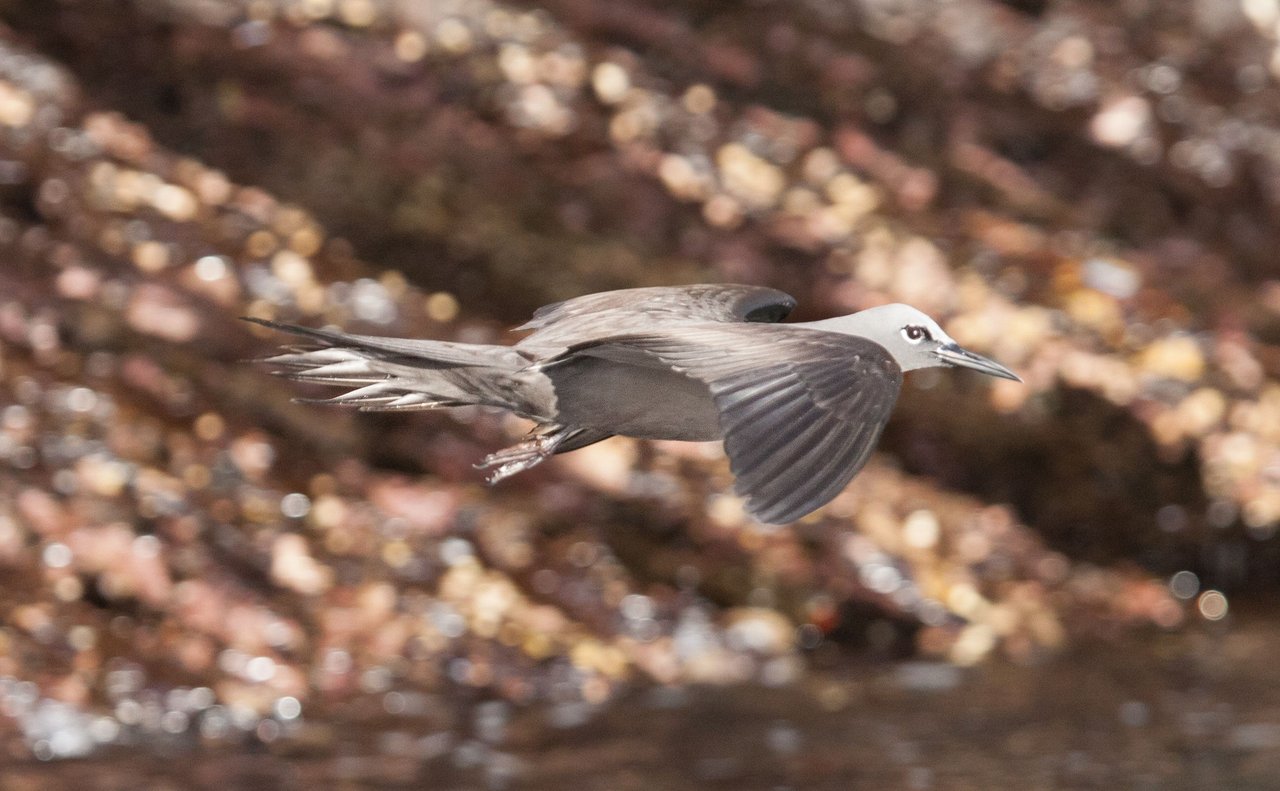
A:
(952, 354)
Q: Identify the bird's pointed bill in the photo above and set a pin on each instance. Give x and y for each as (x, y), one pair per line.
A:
(952, 354)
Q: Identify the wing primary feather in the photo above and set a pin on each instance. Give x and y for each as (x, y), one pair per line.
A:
(824, 483)
(829, 480)
(759, 467)
(765, 474)
(803, 473)
(785, 418)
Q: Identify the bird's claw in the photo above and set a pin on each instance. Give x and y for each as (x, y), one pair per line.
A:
(517, 458)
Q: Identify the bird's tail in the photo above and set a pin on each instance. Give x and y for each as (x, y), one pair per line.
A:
(395, 374)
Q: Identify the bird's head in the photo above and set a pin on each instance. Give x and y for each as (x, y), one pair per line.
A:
(916, 341)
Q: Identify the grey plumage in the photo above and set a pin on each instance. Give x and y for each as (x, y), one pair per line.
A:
(799, 406)
(799, 410)
(608, 313)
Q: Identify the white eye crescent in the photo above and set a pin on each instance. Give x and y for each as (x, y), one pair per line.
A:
(914, 333)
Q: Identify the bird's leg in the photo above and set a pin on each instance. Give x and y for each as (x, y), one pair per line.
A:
(539, 445)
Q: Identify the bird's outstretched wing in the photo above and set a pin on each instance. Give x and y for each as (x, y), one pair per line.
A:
(800, 409)
(596, 316)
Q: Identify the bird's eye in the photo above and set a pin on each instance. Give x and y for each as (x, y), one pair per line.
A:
(914, 333)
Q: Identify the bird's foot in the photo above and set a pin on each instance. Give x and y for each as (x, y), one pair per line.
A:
(518, 458)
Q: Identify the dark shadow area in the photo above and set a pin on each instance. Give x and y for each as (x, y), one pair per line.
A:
(1084, 472)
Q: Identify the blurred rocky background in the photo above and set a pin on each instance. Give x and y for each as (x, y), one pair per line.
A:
(1065, 584)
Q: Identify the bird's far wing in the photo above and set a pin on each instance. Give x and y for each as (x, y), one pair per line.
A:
(595, 316)
(800, 409)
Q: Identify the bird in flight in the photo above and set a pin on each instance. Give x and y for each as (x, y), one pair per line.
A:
(799, 406)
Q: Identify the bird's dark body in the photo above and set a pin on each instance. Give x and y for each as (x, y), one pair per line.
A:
(638, 398)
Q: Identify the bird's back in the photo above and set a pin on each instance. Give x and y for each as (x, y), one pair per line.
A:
(594, 317)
